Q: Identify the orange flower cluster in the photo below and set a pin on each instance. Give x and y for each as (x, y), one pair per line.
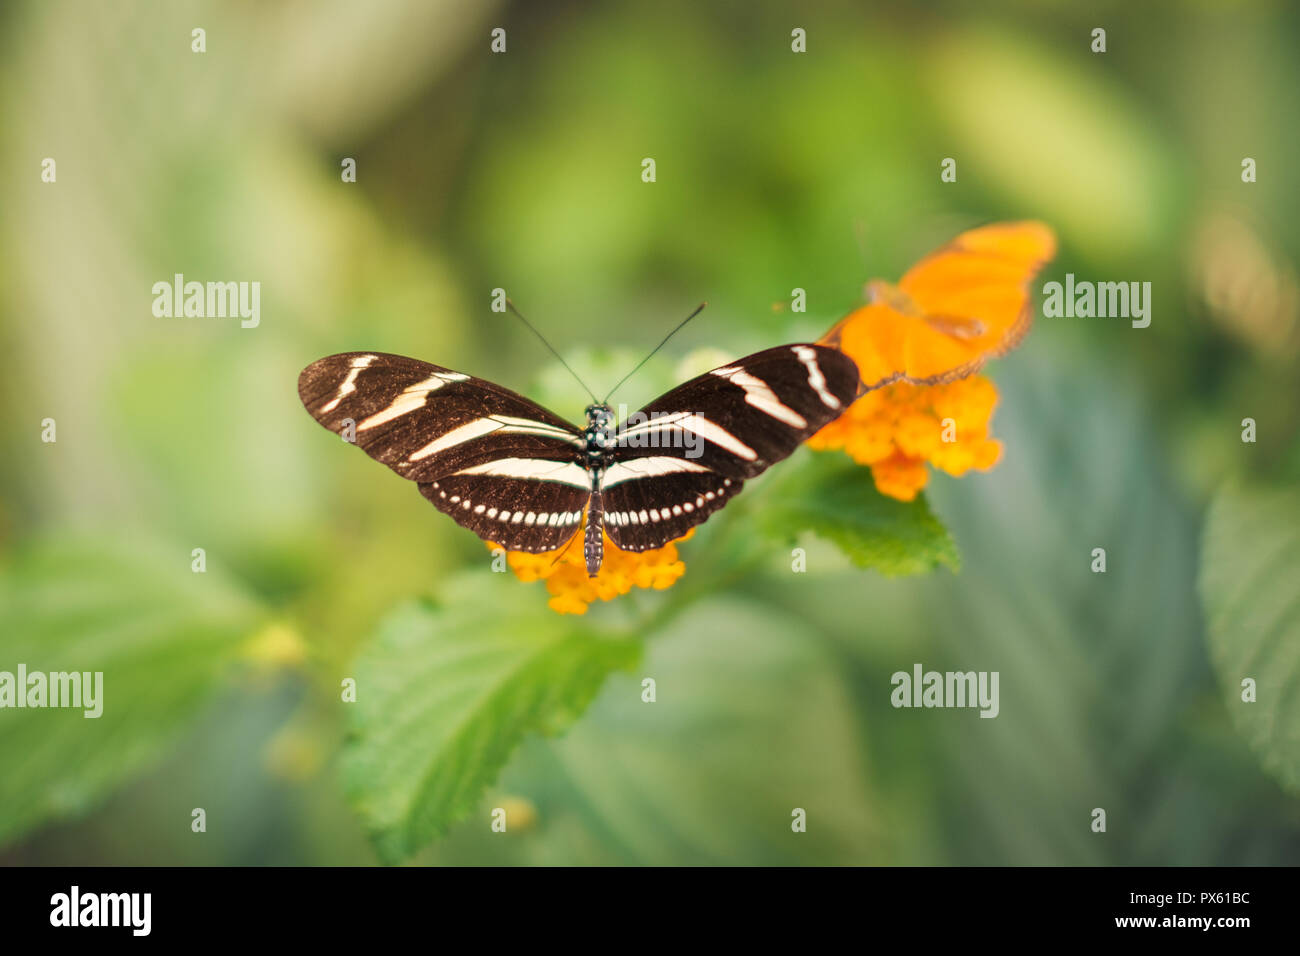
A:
(572, 591)
(963, 304)
(898, 428)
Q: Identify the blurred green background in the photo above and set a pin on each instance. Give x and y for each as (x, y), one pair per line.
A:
(522, 170)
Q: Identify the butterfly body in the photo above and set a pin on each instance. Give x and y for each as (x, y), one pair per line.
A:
(601, 443)
(520, 476)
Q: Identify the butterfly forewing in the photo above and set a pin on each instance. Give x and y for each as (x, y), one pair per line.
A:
(467, 441)
(686, 453)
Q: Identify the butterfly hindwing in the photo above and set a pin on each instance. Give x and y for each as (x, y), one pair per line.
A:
(457, 436)
(518, 514)
(642, 514)
(687, 452)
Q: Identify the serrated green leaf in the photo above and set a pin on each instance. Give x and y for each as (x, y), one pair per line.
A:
(445, 695)
(838, 501)
(1250, 566)
(161, 635)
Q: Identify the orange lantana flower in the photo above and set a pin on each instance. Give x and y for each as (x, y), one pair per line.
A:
(572, 591)
(918, 345)
(898, 428)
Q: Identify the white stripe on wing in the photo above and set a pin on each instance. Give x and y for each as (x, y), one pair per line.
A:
(760, 395)
(648, 467)
(411, 398)
(349, 384)
(534, 469)
(816, 380)
(691, 422)
(486, 426)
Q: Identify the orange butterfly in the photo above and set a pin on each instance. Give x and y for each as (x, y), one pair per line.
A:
(961, 305)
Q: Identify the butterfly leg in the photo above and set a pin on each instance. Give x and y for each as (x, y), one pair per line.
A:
(593, 546)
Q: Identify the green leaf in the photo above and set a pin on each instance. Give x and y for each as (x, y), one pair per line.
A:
(837, 500)
(1250, 565)
(160, 634)
(445, 695)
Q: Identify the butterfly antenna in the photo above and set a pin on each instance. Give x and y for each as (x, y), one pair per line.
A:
(511, 306)
(698, 310)
(565, 549)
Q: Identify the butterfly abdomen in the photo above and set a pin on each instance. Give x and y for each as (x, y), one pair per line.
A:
(593, 543)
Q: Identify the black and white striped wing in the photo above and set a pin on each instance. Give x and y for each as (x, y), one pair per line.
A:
(500, 465)
(740, 418)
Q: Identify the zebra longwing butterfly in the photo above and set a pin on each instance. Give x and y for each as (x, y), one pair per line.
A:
(518, 475)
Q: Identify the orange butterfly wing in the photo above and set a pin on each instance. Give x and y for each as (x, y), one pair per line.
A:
(961, 305)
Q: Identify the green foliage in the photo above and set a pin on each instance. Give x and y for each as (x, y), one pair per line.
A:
(1250, 573)
(445, 695)
(1104, 678)
(751, 719)
(162, 635)
(837, 500)
(1106, 695)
